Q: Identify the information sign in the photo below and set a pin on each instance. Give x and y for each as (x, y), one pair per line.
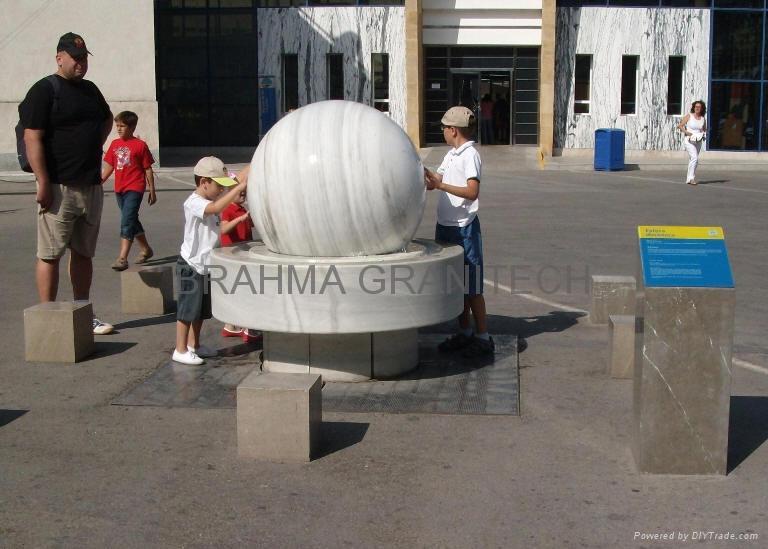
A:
(684, 256)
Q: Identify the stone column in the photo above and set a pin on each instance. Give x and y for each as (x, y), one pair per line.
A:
(682, 379)
(414, 79)
(547, 78)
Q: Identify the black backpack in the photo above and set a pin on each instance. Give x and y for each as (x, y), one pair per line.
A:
(21, 148)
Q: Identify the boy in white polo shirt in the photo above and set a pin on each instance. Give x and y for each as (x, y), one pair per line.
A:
(457, 223)
(202, 228)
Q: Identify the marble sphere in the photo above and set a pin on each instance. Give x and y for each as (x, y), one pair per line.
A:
(336, 178)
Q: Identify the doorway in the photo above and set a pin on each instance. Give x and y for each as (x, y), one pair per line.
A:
(487, 94)
(465, 74)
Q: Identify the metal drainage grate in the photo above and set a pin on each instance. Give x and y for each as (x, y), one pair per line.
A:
(441, 384)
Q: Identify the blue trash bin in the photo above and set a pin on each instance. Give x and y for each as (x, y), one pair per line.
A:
(609, 149)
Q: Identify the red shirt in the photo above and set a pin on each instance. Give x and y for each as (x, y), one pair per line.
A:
(242, 231)
(130, 158)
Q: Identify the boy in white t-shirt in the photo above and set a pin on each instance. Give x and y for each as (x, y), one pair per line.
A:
(202, 228)
(457, 223)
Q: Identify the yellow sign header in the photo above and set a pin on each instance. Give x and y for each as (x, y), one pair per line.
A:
(699, 233)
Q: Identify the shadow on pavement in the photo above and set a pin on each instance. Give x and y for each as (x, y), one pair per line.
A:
(7, 416)
(160, 260)
(108, 348)
(150, 321)
(240, 349)
(714, 181)
(747, 429)
(337, 435)
(524, 326)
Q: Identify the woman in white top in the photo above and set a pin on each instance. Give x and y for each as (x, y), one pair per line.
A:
(694, 126)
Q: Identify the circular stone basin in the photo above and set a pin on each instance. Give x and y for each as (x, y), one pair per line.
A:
(336, 178)
(254, 287)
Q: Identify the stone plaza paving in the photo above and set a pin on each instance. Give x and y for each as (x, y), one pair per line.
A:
(79, 469)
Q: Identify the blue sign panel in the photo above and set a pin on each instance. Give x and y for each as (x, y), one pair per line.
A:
(267, 105)
(685, 256)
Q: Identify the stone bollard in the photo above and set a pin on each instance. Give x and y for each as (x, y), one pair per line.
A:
(612, 295)
(279, 416)
(148, 290)
(621, 346)
(58, 331)
(682, 380)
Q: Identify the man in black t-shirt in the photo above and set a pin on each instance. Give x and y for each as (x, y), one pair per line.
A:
(65, 127)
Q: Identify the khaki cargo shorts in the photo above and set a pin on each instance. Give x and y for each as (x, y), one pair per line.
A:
(72, 221)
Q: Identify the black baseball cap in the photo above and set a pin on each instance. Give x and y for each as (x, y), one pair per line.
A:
(73, 44)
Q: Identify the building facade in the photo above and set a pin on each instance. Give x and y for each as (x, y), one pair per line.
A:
(217, 73)
(640, 64)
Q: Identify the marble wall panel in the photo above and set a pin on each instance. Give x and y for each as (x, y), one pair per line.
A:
(607, 34)
(311, 33)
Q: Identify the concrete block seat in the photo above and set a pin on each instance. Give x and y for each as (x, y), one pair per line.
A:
(58, 331)
(147, 290)
(279, 416)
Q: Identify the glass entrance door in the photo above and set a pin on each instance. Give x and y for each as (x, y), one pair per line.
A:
(495, 111)
(487, 94)
(465, 91)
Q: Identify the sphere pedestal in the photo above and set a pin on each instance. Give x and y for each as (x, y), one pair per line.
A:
(343, 357)
(348, 318)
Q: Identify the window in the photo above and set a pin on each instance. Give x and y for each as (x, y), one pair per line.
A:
(199, 83)
(380, 69)
(581, 88)
(290, 81)
(733, 114)
(335, 67)
(675, 85)
(629, 65)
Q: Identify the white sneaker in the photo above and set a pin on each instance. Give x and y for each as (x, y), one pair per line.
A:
(203, 351)
(187, 358)
(102, 328)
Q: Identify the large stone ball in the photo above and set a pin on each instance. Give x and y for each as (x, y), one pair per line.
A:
(336, 178)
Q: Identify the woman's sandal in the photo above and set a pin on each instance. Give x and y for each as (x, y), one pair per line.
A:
(144, 256)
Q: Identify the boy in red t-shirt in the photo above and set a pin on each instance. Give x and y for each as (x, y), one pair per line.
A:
(241, 232)
(130, 159)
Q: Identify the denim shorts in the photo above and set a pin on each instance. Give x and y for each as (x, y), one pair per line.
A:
(129, 203)
(194, 299)
(471, 239)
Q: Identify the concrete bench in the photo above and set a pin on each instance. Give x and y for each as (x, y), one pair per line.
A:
(612, 295)
(147, 290)
(621, 359)
(279, 416)
(58, 331)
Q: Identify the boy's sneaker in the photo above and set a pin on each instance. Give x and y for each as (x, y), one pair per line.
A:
(479, 347)
(455, 343)
(226, 332)
(251, 336)
(203, 351)
(190, 358)
(120, 264)
(144, 256)
(102, 328)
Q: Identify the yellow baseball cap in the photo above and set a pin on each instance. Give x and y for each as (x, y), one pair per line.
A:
(212, 167)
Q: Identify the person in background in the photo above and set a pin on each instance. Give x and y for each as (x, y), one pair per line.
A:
(694, 126)
(129, 158)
